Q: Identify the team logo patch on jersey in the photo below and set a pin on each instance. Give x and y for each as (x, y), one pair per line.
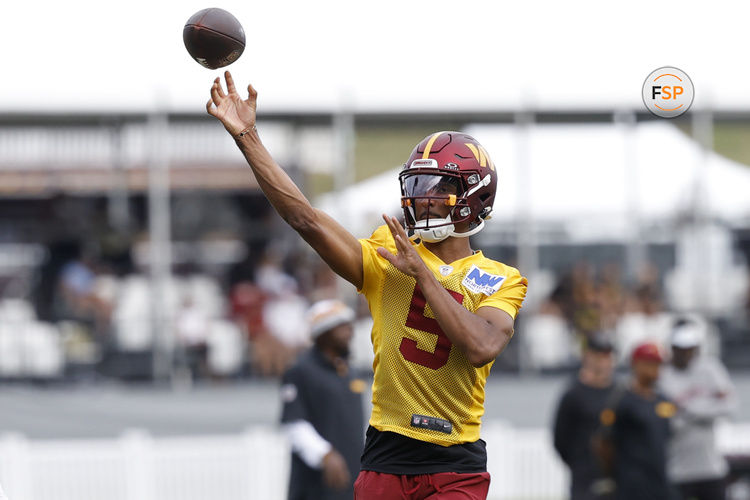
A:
(479, 281)
(446, 270)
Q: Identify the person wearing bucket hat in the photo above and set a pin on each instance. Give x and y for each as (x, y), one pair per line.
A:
(700, 386)
(322, 410)
(632, 443)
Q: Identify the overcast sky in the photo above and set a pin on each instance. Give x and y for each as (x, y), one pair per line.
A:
(129, 55)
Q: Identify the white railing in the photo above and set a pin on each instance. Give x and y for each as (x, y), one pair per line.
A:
(252, 465)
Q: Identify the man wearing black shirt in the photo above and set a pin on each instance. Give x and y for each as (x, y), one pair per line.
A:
(322, 413)
(636, 431)
(577, 419)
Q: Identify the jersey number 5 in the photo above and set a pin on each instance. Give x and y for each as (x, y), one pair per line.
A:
(417, 320)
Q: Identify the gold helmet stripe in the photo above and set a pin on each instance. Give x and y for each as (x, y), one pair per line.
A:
(477, 154)
(427, 148)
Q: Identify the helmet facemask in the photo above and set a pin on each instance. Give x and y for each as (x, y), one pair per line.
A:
(449, 173)
(426, 192)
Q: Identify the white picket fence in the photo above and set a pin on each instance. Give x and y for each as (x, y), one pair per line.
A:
(251, 465)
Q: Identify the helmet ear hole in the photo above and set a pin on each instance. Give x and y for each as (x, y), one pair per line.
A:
(484, 197)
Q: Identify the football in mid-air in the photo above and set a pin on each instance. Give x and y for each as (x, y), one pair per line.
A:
(214, 38)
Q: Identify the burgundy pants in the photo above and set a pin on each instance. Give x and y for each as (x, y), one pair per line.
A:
(441, 486)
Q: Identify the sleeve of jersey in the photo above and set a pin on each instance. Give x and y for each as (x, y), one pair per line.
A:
(373, 264)
(510, 296)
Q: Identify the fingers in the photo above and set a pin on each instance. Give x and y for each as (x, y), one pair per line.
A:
(230, 82)
(210, 107)
(383, 252)
(400, 229)
(395, 227)
(219, 87)
(391, 225)
(392, 228)
(403, 245)
(252, 94)
(395, 224)
(215, 96)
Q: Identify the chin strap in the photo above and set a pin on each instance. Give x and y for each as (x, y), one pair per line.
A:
(435, 234)
(470, 232)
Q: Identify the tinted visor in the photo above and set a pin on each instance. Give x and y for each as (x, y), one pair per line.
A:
(430, 185)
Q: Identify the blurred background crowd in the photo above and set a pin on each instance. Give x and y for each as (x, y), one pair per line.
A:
(83, 308)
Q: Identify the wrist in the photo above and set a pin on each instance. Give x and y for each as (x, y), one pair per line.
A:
(249, 140)
(252, 129)
(328, 455)
(424, 275)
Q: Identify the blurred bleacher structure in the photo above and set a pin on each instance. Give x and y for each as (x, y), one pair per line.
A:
(90, 202)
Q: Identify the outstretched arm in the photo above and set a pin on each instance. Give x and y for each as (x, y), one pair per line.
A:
(481, 336)
(338, 248)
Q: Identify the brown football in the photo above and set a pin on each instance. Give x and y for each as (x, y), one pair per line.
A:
(214, 38)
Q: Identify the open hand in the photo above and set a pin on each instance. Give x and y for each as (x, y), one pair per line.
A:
(406, 259)
(230, 109)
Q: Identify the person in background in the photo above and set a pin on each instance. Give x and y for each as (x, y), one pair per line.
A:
(632, 443)
(700, 387)
(79, 299)
(192, 326)
(322, 409)
(577, 419)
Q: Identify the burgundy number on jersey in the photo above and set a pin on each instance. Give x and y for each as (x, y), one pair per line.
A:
(417, 320)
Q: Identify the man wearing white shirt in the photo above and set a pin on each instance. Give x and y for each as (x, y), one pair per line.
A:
(703, 392)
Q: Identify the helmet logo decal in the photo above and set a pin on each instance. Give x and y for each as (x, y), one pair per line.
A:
(428, 163)
(481, 155)
(428, 147)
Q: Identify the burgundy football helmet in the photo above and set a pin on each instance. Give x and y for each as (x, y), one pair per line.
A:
(453, 169)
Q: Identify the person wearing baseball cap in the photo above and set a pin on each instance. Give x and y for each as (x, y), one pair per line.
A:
(577, 418)
(703, 392)
(322, 410)
(636, 431)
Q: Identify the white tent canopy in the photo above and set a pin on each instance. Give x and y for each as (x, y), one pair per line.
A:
(598, 176)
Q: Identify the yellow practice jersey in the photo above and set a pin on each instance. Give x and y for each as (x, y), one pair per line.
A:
(424, 387)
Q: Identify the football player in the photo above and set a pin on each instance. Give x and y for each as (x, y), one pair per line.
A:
(442, 311)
